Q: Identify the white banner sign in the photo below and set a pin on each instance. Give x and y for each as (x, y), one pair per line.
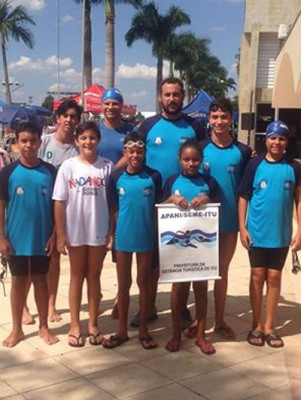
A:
(188, 243)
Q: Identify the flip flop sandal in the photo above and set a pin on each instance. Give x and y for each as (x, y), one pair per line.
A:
(225, 331)
(79, 340)
(191, 331)
(173, 345)
(93, 339)
(273, 336)
(255, 338)
(148, 343)
(114, 341)
(206, 348)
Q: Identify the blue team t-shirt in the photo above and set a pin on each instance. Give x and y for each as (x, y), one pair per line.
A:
(226, 166)
(190, 187)
(134, 196)
(28, 196)
(111, 142)
(270, 187)
(164, 138)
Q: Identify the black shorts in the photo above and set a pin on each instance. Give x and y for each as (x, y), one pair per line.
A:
(28, 265)
(268, 258)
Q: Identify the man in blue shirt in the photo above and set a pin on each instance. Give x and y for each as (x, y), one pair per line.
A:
(113, 129)
(164, 134)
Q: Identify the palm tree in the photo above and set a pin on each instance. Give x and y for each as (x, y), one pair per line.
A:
(87, 42)
(13, 23)
(155, 28)
(110, 39)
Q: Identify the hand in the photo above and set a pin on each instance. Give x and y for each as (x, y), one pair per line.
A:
(180, 201)
(199, 201)
(296, 242)
(50, 244)
(5, 247)
(245, 239)
(62, 245)
(109, 242)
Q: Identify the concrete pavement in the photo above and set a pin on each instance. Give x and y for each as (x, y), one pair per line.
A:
(33, 370)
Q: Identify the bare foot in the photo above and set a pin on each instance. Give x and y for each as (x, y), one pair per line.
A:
(27, 318)
(54, 316)
(13, 339)
(47, 336)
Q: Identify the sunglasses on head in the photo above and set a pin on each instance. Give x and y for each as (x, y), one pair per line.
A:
(131, 144)
(216, 107)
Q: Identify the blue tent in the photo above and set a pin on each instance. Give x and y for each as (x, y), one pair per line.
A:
(14, 115)
(199, 106)
(40, 111)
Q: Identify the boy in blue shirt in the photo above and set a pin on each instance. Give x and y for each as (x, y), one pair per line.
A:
(270, 186)
(26, 228)
(224, 159)
(134, 190)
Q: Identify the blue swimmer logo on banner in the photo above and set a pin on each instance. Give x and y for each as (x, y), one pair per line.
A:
(187, 238)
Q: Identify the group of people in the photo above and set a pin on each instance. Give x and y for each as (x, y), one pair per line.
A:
(101, 184)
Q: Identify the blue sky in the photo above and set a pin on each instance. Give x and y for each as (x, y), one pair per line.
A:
(219, 20)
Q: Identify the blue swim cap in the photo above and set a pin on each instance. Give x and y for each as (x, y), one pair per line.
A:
(277, 128)
(112, 94)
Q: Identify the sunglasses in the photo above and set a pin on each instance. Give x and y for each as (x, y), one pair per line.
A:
(131, 144)
(216, 107)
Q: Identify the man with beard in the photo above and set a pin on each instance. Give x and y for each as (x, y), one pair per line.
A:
(164, 135)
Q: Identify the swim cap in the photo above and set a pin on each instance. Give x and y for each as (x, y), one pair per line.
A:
(277, 128)
(112, 94)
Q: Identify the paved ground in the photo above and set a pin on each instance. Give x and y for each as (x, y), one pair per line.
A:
(33, 370)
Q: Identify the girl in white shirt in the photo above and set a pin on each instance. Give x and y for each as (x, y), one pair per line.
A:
(82, 222)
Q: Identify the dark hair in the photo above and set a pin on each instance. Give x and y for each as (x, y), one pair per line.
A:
(87, 126)
(172, 80)
(222, 104)
(29, 127)
(66, 105)
(191, 143)
(134, 136)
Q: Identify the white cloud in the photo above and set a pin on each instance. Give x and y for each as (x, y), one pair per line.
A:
(98, 75)
(27, 64)
(67, 18)
(30, 4)
(142, 94)
(138, 71)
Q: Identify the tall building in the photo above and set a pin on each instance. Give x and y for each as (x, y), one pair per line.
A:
(267, 26)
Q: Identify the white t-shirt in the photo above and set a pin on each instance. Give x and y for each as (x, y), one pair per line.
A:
(83, 187)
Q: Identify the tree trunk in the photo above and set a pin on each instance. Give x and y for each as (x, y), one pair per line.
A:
(159, 80)
(187, 92)
(87, 46)
(5, 69)
(110, 45)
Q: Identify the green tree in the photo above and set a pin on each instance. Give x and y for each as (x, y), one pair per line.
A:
(48, 102)
(13, 23)
(155, 28)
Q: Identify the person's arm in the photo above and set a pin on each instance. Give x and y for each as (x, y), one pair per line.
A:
(296, 242)
(122, 163)
(5, 246)
(60, 218)
(245, 237)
